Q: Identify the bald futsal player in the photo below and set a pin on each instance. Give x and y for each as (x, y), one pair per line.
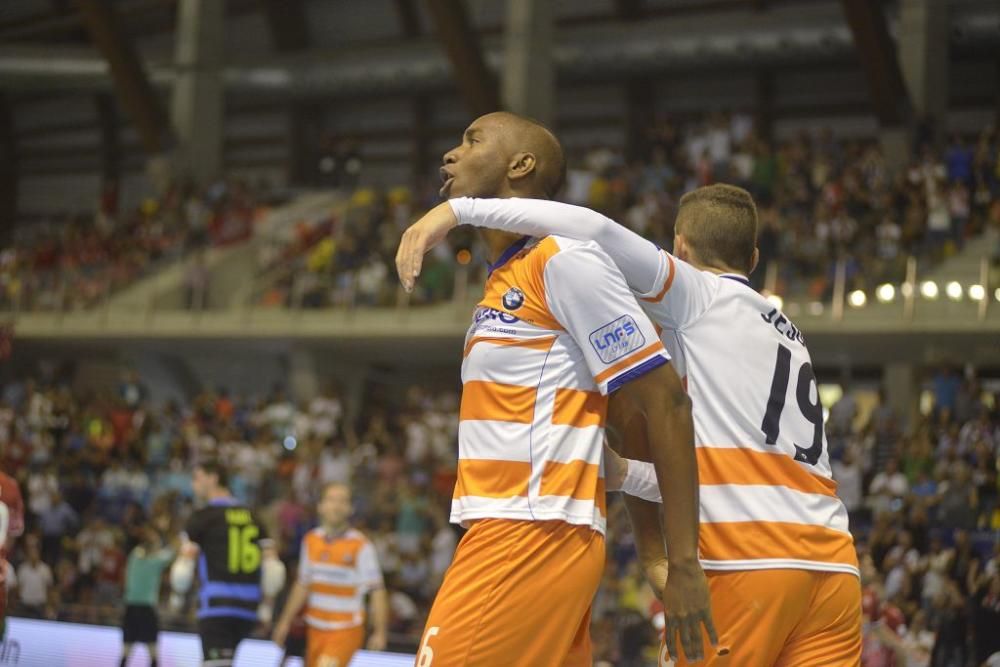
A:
(774, 535)
(557, 344)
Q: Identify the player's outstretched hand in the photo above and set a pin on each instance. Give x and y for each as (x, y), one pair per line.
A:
(687, 608)
(419, 238)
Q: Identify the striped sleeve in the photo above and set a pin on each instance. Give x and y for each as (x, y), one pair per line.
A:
(589, 297)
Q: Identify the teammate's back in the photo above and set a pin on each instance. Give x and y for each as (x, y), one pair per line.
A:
(758, 426)
(229, 565)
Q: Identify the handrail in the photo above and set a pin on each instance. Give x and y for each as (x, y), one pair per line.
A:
(909, 288)
(984, 281)
(839, 290)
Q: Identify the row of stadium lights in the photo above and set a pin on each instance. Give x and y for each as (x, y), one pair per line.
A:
(886, 293)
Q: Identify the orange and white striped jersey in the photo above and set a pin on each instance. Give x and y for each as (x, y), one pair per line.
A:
(557, 330)
(338, 571)
(768, 498)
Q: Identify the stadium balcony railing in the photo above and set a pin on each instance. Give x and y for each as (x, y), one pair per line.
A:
(930, 303)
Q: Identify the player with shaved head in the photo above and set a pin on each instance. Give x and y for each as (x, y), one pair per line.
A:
(558, 347)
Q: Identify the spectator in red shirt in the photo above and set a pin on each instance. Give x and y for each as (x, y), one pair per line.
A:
(11, 527)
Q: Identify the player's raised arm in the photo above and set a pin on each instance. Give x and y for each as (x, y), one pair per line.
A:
(636, 258)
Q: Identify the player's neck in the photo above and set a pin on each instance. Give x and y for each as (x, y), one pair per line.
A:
(497, 242)
(721, 271)
(219, 494)
(333, 530)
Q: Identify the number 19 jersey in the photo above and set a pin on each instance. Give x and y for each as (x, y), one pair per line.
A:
(768, 499)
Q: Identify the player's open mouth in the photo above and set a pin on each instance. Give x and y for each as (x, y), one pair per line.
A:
(447, 179)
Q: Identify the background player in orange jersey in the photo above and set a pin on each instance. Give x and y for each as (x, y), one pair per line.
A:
(337, 567)
(556, 333)
(774, 535)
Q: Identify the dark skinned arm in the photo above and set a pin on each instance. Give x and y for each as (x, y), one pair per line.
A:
(665, 436)
(626, 432)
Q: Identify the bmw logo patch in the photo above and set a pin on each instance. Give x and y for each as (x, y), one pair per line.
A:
(513, 299)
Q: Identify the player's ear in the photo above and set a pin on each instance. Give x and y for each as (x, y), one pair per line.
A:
(521, 166)
(754, 259)
(680, 247)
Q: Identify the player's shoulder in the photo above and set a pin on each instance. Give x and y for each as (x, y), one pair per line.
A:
(357, 537)
(555, 253)
(312, 536)
(564, 244)
(568, 254)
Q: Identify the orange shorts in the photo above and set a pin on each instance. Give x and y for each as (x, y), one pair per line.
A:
(332, 648)
(783, 618)
(517, 593)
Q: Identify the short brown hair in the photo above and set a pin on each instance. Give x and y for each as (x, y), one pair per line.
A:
(213, 466)
(719, 223)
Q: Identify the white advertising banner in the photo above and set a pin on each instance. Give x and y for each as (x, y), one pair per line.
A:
(32, 643)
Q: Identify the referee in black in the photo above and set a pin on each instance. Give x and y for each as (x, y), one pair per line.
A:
(239, 572)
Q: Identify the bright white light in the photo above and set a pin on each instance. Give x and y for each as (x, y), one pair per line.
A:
(929, 289)
(996, 294)
(885, 293)
(906, 289)
(954, 291)
(290, 443)
(857, 298)
(776, 301)
(816, 308)
(977, 292)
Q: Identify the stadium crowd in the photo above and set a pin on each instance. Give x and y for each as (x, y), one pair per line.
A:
(97, 470)
(74, 261)
(821, 200)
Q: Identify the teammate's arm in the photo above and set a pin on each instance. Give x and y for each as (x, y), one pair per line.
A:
(637, 258)
(626, 429)
(182, 573)
(589, 298)
(182, 570)
(631, 477)
(297, 597)
(296, 601)
(659, 428)
(272, 579)
(371, 574)
(380, 619)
